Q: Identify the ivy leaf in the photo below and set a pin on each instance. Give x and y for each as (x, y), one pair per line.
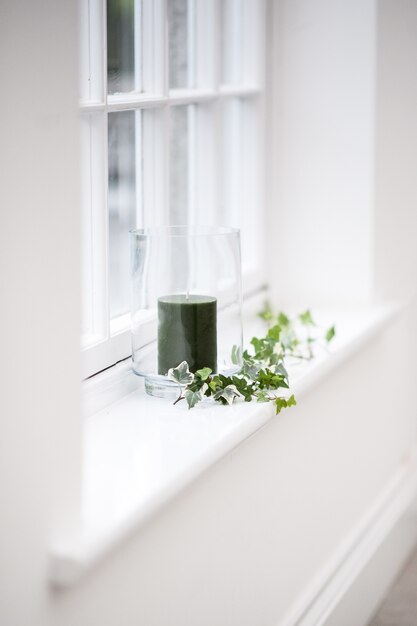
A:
(212, 385)
(236, 355)
(306, 319)
(274, 358)
(181, 374)
(330, 334)
(257, 344)
(192, 397)
(204, 373)
(288, 339)
(228, 394)
(269, 380)
(283, 320)
(291, 400)
(262, 396)
(266, 313)
(280, 369)
(274, 332)
(250, 369)
(283, 403)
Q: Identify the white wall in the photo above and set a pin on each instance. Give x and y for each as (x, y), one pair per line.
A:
(242, 543)
(40, 440)
(344, 198)
(396, 150)
(323, 168)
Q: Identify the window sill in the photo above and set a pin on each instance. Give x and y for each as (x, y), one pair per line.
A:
(141, 452)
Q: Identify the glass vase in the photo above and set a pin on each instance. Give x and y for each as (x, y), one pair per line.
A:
(186, 299)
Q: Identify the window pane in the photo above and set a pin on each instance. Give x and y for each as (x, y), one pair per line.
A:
(179, 160)
(178, 20)
(87, 326)
(240, 173)
(124, 201)
(231, 41)
(122, 75)
(93, 176)
(230, 163)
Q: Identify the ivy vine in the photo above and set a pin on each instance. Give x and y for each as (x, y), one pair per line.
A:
(263, 376)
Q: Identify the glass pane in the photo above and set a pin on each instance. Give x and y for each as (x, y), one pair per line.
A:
(231, 41)
(124, 201)
(121, 46)
(230, 163)
(179, 159)
(86, 230)
(93, 227)
(178, 43)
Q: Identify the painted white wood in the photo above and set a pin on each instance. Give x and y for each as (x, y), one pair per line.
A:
(103, 347)
(114, 509)
(316, 606)
(369, 589)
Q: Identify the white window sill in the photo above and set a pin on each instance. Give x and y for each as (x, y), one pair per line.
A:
(141, 452)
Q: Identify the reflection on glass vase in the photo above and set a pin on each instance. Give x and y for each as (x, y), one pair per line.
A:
(186, 302)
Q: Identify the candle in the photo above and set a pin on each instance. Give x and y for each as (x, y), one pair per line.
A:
(187, 331)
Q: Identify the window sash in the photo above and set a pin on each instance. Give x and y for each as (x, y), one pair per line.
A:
(107, 341)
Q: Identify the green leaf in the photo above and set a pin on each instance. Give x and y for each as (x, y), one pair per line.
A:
(204, 373)
(330, 334)
(283, 320)
(257, 344)
(267, 379)
(181, 374)
(236, 355)
(283, 403)
(266, 313)
(291, 401)
(193, 397)
(274, 332)
(306, 319)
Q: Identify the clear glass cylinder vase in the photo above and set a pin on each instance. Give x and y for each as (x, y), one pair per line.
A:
(186, 299)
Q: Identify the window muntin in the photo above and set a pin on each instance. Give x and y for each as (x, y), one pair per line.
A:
(172, 133)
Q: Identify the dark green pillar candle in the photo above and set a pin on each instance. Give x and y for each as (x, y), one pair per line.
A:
(187, 331)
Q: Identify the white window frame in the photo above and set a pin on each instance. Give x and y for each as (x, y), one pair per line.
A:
(108, 341)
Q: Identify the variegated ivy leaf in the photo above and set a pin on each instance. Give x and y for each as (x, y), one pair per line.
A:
(250, 369)
(288, 338)
(262, 396)
(280, 369)
(193, 397)
(181, 374)
(229, 393)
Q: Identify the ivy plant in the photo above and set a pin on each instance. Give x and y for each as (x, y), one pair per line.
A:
(263, 376)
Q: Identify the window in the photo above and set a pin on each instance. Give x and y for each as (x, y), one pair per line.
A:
(172, 133)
